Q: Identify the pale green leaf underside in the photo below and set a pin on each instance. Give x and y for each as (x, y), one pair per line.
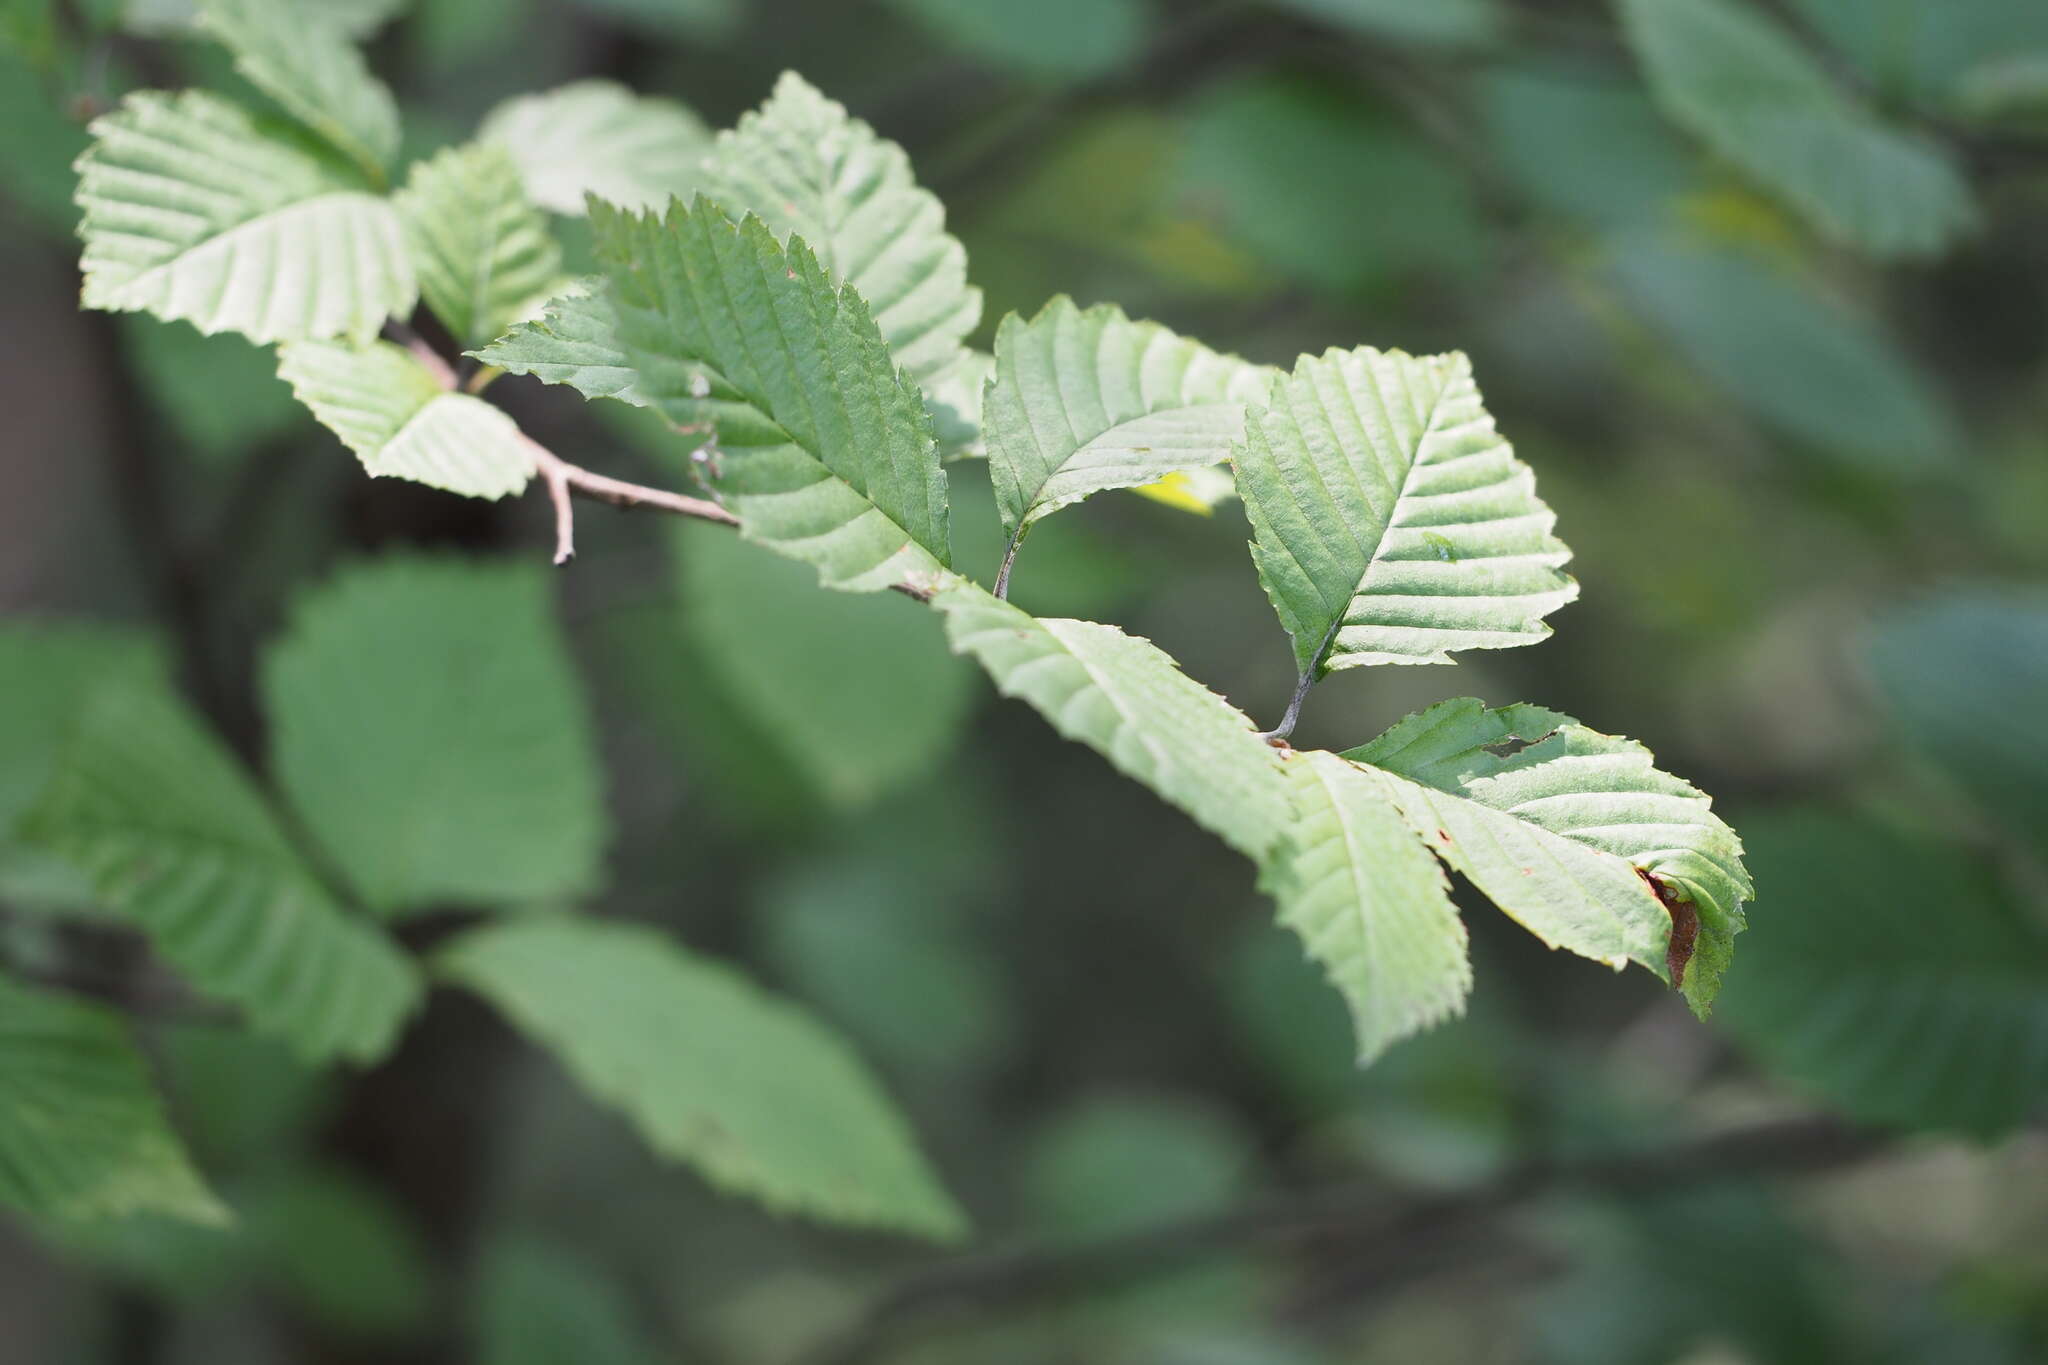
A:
(575, 342)
(395, 415)
(710, 1069)
(178, 842)
(1086, 401)
(1128, 700)
(82, 1133)
(598, 137)
(484, 256)
(1561, 832)
(1393, 523)
(1740, 83)
(805, 167)
(1369, 901)
(194, 211)
(294, 53)
(430, 730)
(824, 449)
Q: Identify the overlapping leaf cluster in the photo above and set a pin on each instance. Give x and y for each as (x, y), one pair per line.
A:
(787, 298)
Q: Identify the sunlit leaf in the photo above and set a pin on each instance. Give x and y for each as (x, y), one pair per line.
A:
(598, 137)
(293, 52)
(483, 255)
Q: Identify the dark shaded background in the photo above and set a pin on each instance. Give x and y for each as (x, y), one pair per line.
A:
(1809, 499)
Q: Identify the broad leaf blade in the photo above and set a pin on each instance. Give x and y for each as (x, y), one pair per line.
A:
(1370, 902)
(710, 1069)
(82, 1133)
(575, 342)
(178, 842)
(805, 167)
(1740, 83)
(194, 211)
(483, 255)
(1129, 701)
(1576, 834)
(599, 138)
(1393, 523)
(294, 53)
(431, 731)
(824, 448)
(400, 420)
(1087, 401)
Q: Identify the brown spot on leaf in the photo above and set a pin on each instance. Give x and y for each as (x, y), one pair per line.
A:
(1685, 926)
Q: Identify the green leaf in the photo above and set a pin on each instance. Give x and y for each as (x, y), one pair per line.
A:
(483, 255)
(1393, 523)
(762, 630)
(1113, 1165)
(292, 52)
(194, 209)
(574, 342)
(534, 1303)
(1739, 83)
(357, 19)
(345, 1251)
(400, 419)
(1370, 903)
(1438, 24)
(1576, 834)
(1127, 699)
(805, 167)
(1964, 674)
(823, 446)
(431, 731)
(82, 1133)
(711, 1069)
(1085, 401)
(1898, 982)
(220, 394)
(179, 842)
(1060, 41)
(598, 137)
(1926, 49)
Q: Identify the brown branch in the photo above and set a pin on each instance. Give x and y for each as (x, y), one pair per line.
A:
(562, 479)
(1375, 1227)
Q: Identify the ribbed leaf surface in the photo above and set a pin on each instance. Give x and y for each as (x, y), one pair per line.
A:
(575, 342)
(194, 211)
(431, 731)
(1369, 901)
(1742, 85)
(1086, 401)
(295, 53)
(178, 842)
(709, 1068)
(1129, 701)
(598, 137)
(483, 255)
(398, 419)
(1896, 980)
(823, 447)
(1394, 525)
(82, 1134)
(807, 168)
(1563, 828)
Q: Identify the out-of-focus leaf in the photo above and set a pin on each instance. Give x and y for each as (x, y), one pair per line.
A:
(711, 1069)
(1964, 673)
(1921, 49)
(221, 395)
(701, 19)
(534, 1303)
(178, 841)
(431, 731)
(805, 167)
(598, 137)
(2007, 88)
(356, 19)
(1893, 977)
(482, 253)
(1305, 177)
(82, 1133)
(195, 209)
(1568, 831)
(247, 1102)
(1059, 41)
(294, 53)
(38, 146)
(1585, 149)
(1436, 24)
(401, 421)
(1739, 82)
(896, 699)
(1393, 523)
(1120, 1163)
(346, 1251)
(1796, 359)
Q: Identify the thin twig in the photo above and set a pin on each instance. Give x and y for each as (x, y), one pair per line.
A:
(562, 479)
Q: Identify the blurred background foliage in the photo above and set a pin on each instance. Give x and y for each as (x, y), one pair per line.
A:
(1760, 289)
